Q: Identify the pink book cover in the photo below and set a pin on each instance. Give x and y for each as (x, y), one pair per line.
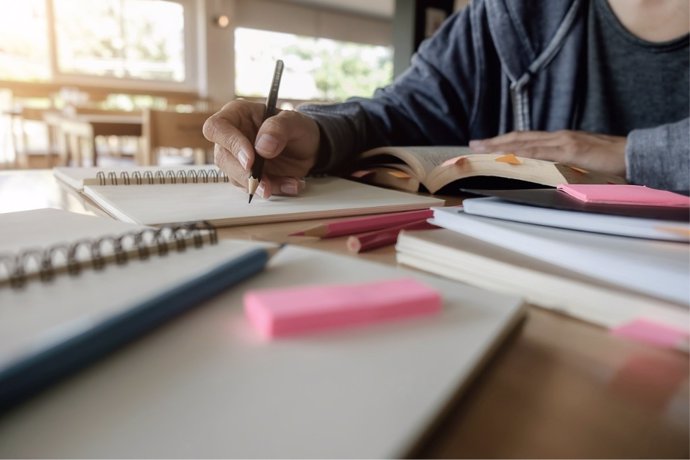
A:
(624, 194)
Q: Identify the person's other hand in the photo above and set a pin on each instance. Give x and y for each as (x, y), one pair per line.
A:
(596, 152)
(288, 140)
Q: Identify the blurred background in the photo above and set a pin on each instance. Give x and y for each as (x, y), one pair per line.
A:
(83, 81)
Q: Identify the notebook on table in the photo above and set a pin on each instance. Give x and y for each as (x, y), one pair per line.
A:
(611, 224)
(74, 288)
(472, 260)
(209, 387)
(658, 269)
(224, 204)
(78, 177)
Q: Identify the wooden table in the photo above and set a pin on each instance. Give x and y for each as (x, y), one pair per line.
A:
(557, 388)
(76, 134)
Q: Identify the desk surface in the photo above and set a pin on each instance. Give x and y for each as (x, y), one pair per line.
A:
(558, 388)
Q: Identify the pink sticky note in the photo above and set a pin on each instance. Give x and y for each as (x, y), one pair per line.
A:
(302, 309)
(653, 333)
(624, 194)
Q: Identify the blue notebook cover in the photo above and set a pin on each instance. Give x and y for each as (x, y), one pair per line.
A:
(188, 271)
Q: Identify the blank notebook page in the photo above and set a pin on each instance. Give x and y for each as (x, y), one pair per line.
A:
(226, 204)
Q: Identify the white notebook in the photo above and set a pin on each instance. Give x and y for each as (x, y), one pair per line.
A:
(206, 386)
(577, 220)
(474, 261)
(73, 288)
(224, 204)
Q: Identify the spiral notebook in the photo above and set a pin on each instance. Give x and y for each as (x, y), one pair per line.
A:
(167, 196)
(77, 178)
(209, 387)
(75, 287)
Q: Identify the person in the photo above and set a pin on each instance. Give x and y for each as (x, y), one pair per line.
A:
(599, 84)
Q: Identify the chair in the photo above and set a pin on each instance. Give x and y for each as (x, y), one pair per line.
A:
(179, 131)
(32, 143)
(76, 131)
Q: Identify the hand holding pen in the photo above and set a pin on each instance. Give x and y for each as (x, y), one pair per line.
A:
(246, 132)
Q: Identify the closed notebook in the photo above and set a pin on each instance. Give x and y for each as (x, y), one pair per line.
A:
(557, 199)
(167, 198)
(658, 269)
(577, 220)
(208, 386)
(74, 288)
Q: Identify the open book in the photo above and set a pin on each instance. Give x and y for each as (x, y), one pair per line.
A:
(447, 169)
(75, 287)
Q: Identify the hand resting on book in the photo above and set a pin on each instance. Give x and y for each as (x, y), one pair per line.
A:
(596, 152)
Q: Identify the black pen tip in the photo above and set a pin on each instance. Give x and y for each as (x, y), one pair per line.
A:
(251, 195)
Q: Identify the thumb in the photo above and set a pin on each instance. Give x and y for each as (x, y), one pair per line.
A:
(287, 127)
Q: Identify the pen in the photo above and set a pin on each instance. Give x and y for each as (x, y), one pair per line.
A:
(258, 165)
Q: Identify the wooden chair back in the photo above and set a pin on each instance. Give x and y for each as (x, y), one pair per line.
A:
(176, 130)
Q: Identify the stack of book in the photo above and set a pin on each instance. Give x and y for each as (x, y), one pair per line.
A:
(612, 270)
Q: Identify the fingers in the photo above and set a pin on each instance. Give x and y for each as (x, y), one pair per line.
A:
(269, 185)
(289, 139)
(230, 129)
(515, 140)
(279, 185)
(286, 127)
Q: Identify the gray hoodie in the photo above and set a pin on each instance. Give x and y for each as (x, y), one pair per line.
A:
(494, 67)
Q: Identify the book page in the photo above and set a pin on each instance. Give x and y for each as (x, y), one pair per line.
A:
(423, 159)
(225, 204)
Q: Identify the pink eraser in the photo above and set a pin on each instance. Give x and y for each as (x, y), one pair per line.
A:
(624, 194)
(653, 333)
(296, 310)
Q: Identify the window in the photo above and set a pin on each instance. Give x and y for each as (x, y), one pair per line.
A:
(24, 51)
(148, 40)
(121, 38)
(315, 68)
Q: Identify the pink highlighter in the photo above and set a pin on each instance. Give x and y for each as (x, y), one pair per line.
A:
(303, 309)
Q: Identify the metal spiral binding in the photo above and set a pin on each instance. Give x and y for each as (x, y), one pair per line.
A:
(97, 253)
(160, 176)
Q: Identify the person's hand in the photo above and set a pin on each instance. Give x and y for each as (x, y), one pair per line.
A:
(289, 141)
(596, 152)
